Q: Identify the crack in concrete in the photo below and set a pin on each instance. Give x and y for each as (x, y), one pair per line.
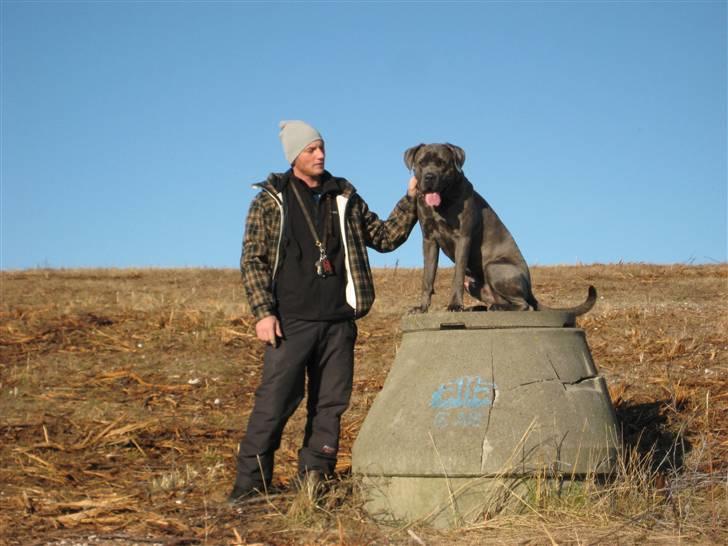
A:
(486, 448)
(551, 363)
(563, 383)
(587, 378)
(556, 373)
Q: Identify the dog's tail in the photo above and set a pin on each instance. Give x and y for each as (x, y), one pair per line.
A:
(580, 309)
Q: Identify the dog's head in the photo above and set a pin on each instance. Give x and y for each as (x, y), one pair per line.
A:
(436, 167)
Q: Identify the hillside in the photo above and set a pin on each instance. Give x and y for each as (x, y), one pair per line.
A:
(124, 393)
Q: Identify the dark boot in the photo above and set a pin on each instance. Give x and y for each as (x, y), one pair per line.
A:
(242, 491)
(314, 483)
(254, 477)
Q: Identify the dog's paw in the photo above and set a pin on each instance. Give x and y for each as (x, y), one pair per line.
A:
(454, 308)
(418, 310)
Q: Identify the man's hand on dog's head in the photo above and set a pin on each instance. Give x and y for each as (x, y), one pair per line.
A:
(412, 187)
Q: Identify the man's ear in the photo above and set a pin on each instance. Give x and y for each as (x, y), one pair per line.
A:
(458, 155)
(409, 156)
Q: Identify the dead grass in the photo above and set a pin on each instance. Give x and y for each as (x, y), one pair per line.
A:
(123, 394)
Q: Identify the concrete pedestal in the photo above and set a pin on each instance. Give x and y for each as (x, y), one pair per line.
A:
(475, 406)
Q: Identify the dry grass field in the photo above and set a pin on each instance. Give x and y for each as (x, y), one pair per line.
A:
(124, 393)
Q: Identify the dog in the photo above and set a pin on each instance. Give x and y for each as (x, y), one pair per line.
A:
(456, 219)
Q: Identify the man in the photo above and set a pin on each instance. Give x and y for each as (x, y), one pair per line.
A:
(307, 278)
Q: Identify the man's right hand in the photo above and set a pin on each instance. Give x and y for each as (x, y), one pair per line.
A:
(268, 329)
(412, 187)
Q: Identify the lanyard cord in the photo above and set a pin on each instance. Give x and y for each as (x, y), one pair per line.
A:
(321, 246)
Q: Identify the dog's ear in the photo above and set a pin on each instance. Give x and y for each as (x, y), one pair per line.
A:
(409, 156)
(458, 155)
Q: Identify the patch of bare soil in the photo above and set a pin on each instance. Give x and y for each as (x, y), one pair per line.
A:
(124, 393)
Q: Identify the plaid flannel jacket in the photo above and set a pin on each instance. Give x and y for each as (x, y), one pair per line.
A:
(361, 227)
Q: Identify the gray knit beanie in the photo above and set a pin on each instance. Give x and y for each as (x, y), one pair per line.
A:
(295, 136)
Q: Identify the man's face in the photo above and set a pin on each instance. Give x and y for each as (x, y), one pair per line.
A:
(310, 162)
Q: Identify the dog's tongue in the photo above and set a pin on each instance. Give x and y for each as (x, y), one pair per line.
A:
(432, 199)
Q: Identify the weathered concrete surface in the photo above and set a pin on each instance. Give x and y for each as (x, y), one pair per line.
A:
(473, 395)
(451, 502)
(502, 319)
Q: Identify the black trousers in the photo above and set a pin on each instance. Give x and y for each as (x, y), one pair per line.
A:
(323, 351)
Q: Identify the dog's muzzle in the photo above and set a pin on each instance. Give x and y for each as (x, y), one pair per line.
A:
(428, 182)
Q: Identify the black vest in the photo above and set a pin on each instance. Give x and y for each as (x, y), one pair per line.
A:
(300, 292)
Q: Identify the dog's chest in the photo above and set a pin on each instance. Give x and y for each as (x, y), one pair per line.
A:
(435, 225)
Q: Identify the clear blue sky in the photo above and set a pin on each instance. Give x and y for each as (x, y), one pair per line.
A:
(131, 131)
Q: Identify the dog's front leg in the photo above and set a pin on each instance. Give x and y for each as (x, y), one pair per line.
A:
(431, 253)
(462, 251)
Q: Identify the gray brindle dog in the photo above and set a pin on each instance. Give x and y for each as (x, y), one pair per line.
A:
(456, 219)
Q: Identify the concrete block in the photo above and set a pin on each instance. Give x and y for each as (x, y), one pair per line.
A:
(473, 396)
